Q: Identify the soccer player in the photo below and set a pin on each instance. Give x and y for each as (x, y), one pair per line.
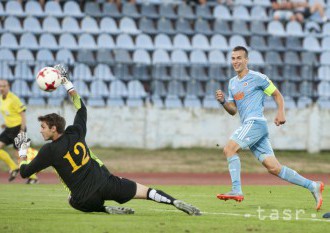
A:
(246, 93)
(13, 112)
(89, 182)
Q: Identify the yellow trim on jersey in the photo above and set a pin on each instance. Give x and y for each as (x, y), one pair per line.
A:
(270, 89)
(11, 109)
(23, 162)
(76, 101)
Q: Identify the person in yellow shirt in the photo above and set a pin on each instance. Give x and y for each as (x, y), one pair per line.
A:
(13, 112)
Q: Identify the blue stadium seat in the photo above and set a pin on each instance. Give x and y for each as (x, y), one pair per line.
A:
(141, 56)
(103, 72)
(70, 24)
(98, 88)
(325, 44)
(255, 58)
(275, 43)
(289, 102)
(105, 56)
(96, 102)
(194, 88)
(158, 89)
(127, 25)
(115, 102)
(258, 13)
(92, 9)
(72, 8)
(237, 40)
(14, 8)
(82, 72)
(149, 10)
(108, 25)
(34, 8)
(135, 90)
(323, 89)
(167, 11)
(186, 11)
(269, 103)
(183, 26)
(293, 43)
(180, 57)
(200, 41)
(130, 10)
(204, 12)
(163, 41)
(67, 41)
(240, 27)
(222, 27)
(122, 56)
(192, 101)
(172, 101)
(144, 41)
(198, 57)
(125, 41)
(65, 55)
(323, 73)
(244, 3)
(258, 43)
(178, 71)
(217, 57)
(323, 102)
(241, 13)
(292, 58)
(105, 41)
(294, 28)
(117, 89)
(81, 87)
(111, 9)
(28, 40)
(258, 28)
(147, 26)
(276, 28)
(219, 42)
(209, 102)
(86, 41)
(222, 12)
(36, 101)
(7, 55)
(24, 55)
(31, 24)
(309, 58)
(264, 3)
(306, 89)
(325, 58)
(53, 8)
(51, 25)
(181, 41)
(202, 26)
(311, 43)
(326, 29)
(5, 71)
(211, 87)
(175, 88)
(21, 88)
(12, 24)
(44, 55)
(165, 26)
(48, 41)
(89, 25)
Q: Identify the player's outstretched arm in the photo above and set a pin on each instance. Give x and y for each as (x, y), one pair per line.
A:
(280, 116)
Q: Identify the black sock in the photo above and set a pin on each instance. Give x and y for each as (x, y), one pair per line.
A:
(159, 196)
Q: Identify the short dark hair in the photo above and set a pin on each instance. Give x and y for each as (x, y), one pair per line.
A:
(54, 119)
(241, 48)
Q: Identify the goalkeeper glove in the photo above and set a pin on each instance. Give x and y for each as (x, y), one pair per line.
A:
(22, 142)
(65, 77)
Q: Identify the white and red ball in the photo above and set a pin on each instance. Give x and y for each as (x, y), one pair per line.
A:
(48, 79)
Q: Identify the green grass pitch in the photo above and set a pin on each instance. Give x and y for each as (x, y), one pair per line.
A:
(44, 208)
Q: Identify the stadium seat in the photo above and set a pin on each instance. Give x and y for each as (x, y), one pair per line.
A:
(53, 8)
(135, 89)
(272, 71)
(269, 103)
(14, 8)
(24, 55)
(142, 62)
(258, 28)
(241, 13)
(111, 9)
(258, 43)
(117, 89)
(141, 56)
(157, 102)
(123, 72)
(5, 71)
(194, 88)
(44, 55)
(294, 28)
(311, 43)
(178, 71)
(244, 3)
(306, 89)
(323, 89)
(12, 24)
(85, 56)
(292, 58)
(48, 41)
(179, 56)
(219, 42)
(72, 8)
(144, 41)
(149, 10)
(325, 44)
(323, 73)
(240, 27)
(290, 73)
(165, 26)
(323, 102)
(209, 102)
(183, 26)
(36, 92)
(130, 10)
(237, 40)
(191, 101)
(258, 13)
(158, 89)
(175, 88)
(186, 11)
(304, 102)
(108, 25)
(308, 58)
(64, 55)
(198, 57)
(293, 43)
(98, 88)
(82, 72)
(104, 56)
(122, 56)
(147, 26)
(288, 88)
(127, 25)
(264, 3)
(289, 102)
(81, 87)
(51, 25)
(204, 12)
(21, 88)
(67, 41)
(28, 40)
(103, 72)
(6, 55)
(105, 41)
(211, 87)
(326, 29)
(222, 12)
(255, 58)
(325, 58)
(92, 9)
(89, 25)
(276, 28)
(167, 11)
(217, 57)
(70, 24)
(275, 43)
(160, 61)
(181, 41)
(31, 24)
(172, 101)
(34, 8)
(125, 41)
(202, 26)
(200, 41)
(2, 11)
(163, 41)
(198, 72)
(222, 27)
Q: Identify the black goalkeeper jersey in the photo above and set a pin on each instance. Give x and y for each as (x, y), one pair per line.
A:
(70, 157)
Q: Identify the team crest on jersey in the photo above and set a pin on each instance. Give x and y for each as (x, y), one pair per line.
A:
(245, 84)
(239, 96)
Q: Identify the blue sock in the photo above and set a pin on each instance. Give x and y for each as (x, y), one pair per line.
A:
(293, 177)
(234, 166)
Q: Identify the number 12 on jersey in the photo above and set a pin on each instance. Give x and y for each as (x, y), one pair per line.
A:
(84, 159)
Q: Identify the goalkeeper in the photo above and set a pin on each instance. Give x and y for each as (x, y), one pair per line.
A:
(88, 181)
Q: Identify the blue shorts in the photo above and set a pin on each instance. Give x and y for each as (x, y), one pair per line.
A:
(254, 134)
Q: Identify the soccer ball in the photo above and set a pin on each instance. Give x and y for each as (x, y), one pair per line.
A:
(48, 79)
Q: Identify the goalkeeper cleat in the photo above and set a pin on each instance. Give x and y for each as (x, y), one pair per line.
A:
(32, 181)
(326, 215)
(187, 208)
(317, 194)
(118, 210)
(239, 197)
(13, 174)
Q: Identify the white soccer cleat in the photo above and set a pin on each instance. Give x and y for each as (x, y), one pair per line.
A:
(187, 208)
(118, 210)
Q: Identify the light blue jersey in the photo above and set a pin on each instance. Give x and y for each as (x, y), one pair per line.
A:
(248, 94)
